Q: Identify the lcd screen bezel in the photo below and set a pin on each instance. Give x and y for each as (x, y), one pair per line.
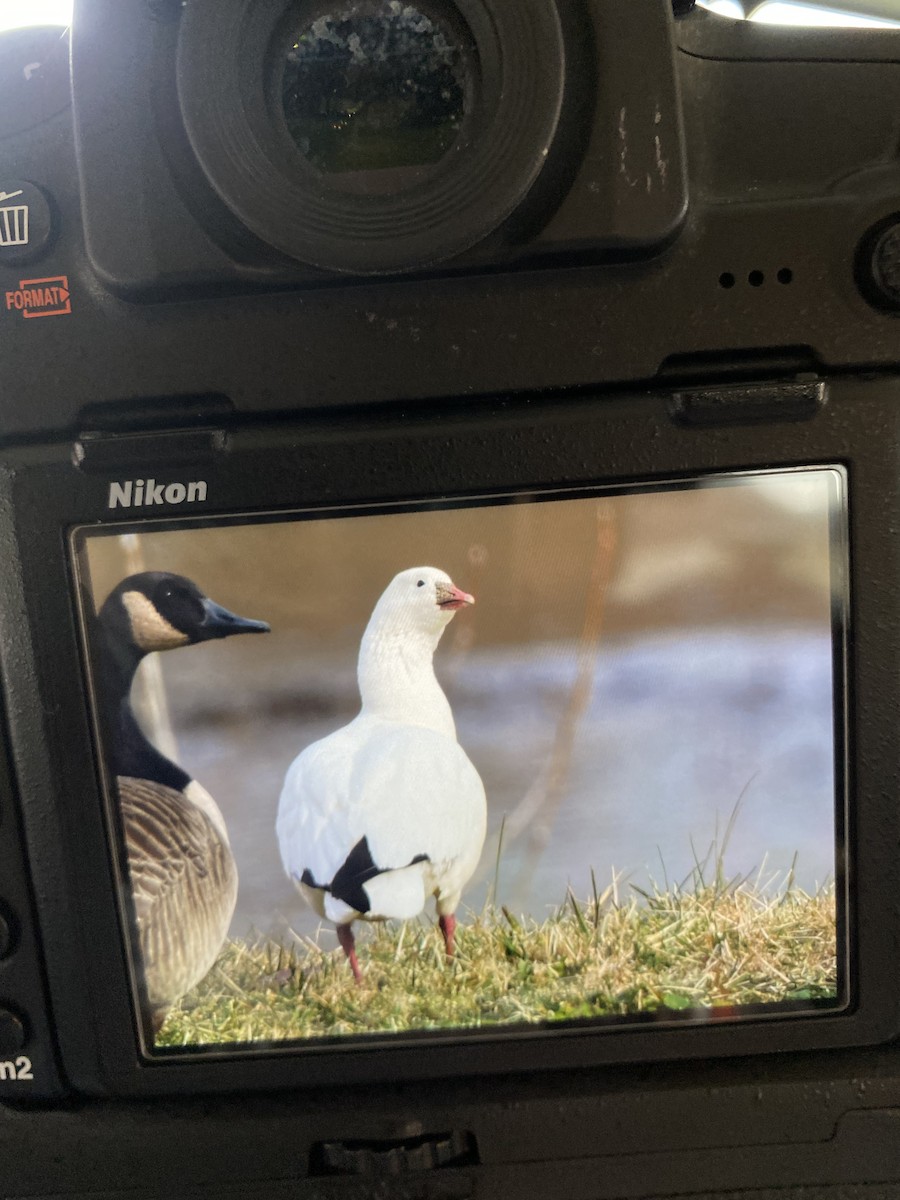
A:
(484, 448)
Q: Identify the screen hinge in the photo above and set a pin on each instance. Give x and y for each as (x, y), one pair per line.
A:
(103, 452)
(740, 403)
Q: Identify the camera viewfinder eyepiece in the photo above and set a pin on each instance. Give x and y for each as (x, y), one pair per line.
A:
(369, 136)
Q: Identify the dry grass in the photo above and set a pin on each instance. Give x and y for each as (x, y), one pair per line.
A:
(709, 946)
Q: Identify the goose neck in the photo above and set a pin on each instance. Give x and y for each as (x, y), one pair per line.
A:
(130, 752)
(397, 680)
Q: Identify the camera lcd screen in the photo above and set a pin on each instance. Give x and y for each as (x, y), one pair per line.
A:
(481, 767)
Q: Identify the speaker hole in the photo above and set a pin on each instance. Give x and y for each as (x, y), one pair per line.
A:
(756, 279)
(785, 275)
(726, 280)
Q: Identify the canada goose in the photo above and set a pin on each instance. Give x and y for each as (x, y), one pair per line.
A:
(388, 810)
(182, 872)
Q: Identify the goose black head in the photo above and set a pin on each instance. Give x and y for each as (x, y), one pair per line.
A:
(159, 611)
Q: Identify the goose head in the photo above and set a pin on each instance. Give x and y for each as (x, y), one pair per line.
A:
(157, 610)
(419, 600)
(395, 669)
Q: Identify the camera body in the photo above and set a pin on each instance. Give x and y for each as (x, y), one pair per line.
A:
(660, 250)
(777, 178)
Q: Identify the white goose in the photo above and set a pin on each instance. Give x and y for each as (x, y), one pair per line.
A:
(388, 810)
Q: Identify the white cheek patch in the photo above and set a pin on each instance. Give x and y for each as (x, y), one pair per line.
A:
(149, 630)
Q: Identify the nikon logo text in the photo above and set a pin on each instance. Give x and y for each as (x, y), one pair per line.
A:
(140, 493)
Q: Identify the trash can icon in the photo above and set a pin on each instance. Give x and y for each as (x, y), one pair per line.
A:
(14, 225)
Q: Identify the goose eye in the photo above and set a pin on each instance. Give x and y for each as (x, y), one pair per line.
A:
(178, 604)
(421, 583)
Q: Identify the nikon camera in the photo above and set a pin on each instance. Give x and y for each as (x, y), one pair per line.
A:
(449, 501)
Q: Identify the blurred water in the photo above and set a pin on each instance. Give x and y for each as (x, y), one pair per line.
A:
(677, 729)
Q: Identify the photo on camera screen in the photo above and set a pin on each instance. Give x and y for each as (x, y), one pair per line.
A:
(546, 761)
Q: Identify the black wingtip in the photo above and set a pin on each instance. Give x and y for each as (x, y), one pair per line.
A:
(356, 871)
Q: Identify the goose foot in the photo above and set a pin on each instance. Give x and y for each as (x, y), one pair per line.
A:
(348, 945)
(448, 929)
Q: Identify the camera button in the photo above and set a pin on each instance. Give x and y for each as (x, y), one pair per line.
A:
(886, 265)
(12, 1032)
(26, 222)
(7, 940)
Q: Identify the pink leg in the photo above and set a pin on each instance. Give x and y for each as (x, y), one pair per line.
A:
(348, 945)
(448, 929)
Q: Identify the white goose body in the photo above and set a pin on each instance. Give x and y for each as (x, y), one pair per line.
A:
(388, 810)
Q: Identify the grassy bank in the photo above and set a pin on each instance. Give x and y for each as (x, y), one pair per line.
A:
(710, 946)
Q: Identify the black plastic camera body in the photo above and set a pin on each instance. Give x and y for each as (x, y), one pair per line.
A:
(787, 133)
(641, 249)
